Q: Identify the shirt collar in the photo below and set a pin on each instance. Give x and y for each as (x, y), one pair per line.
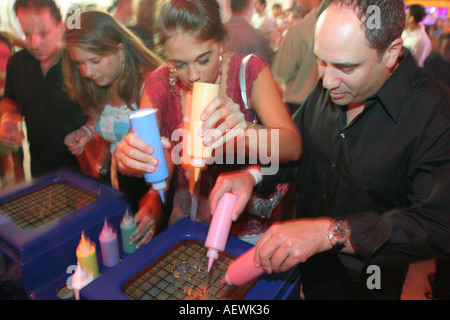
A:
(237, 18)
(396, 89)
(36, 61)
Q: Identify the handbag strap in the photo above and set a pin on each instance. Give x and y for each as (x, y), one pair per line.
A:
(243, 86)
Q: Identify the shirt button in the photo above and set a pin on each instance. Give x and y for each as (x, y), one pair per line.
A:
(332, 164)
(343, 135)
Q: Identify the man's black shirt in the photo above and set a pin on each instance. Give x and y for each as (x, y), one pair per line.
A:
(387, 172)
(48, 112)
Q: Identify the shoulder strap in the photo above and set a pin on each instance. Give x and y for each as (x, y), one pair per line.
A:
(244, 86)
(242, 83)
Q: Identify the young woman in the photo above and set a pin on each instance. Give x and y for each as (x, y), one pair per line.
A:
(104, 67)
(195, 43)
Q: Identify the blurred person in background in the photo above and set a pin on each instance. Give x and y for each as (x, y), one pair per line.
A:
(415, 37)
(35, 91)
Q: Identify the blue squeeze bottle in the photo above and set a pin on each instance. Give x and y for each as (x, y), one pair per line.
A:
(145, 127)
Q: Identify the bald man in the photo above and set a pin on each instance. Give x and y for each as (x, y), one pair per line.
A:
(375, 171)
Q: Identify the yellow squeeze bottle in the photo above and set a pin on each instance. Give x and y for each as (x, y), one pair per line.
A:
(87, 257)
(186, 153)
(202, 95)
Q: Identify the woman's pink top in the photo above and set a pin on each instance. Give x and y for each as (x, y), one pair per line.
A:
(169, 104)
(168, 101)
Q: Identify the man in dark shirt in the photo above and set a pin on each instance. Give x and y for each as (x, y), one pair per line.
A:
(35, 90)
(438, 65)
(374, 176)
(438, 62)
(244, 39)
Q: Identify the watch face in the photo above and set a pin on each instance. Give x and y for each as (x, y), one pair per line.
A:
(339, 234)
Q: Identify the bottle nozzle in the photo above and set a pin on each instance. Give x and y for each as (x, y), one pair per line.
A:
(210, 263)
(127, 219)
(192, 184)
(160, 186)
(107, 230)
(84, 243)
(197, 173)
(212, 254)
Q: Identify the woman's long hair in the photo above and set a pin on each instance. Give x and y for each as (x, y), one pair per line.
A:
(199, 18)
(102, 34)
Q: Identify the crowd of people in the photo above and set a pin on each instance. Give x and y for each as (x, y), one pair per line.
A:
(360, 114)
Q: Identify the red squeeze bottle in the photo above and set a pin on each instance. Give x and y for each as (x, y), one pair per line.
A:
(242, 270)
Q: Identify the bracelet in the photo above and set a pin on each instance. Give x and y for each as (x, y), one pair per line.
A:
(87, 131)
(90, 130)
(256, 175)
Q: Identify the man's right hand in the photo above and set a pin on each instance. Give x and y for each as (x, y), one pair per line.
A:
(11, 133)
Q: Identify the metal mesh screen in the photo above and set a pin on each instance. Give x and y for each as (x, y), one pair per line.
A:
(45, 205)
(181, 274)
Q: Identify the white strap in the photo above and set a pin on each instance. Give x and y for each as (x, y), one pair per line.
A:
(242, 83)
(243, 87)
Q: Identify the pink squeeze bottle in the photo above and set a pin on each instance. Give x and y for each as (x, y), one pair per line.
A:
(242, 270)
(219, 229)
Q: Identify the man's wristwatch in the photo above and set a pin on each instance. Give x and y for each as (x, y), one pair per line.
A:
(338, 233)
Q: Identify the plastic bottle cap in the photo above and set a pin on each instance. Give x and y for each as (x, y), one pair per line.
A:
(198, 162)
(160, 185)
(212, 253)
(142, 112)
(127, 219)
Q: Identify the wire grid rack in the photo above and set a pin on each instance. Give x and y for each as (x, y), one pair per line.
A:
(181, 274)
(45, 205)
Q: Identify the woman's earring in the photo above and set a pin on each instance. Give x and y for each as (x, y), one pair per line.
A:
(220, 67)
(172, 77)
(123, 65)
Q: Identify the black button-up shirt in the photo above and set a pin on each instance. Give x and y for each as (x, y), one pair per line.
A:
(48, 112)
(387, 172)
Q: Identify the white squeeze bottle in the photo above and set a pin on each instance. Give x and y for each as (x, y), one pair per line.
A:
(109, 245)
